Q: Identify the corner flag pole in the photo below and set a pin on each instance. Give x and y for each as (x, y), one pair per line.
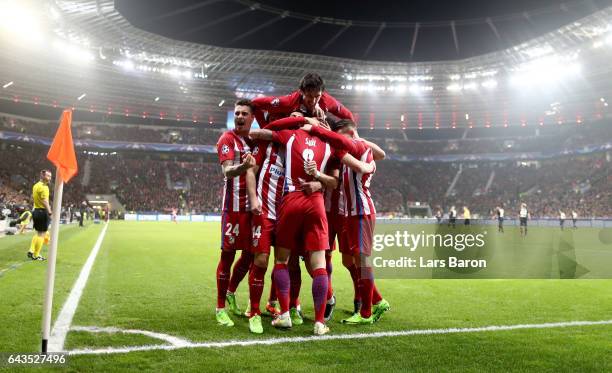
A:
(55, 222)
(62, 155)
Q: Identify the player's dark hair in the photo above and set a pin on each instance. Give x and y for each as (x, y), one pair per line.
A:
(312, 81)
(246, 102)
(343, 123)
(44, 171)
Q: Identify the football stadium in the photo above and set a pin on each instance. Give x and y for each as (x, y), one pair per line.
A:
(237, 185)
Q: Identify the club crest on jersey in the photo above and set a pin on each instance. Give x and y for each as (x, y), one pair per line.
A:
(225, 149)
(255, 150)
(311, 142)
(275, 102)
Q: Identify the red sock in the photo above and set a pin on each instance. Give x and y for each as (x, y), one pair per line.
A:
(272, 296)
(376, 296)
(355, 277)
(223, 275)
(256, 285)
(366, 285)
(295, 275)
(241, 268)
(281, 278)
(319, 293)
(329, 268)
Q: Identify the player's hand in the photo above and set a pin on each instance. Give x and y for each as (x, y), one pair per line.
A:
(310, 186)
(307, 127)
(325, 125)
(312, 121)
(256, 207)
(248, 161)
(310, 167)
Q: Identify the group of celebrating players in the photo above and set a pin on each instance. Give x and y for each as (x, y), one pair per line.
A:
(297, 184)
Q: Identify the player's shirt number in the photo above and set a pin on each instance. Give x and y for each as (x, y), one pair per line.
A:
(229, 231)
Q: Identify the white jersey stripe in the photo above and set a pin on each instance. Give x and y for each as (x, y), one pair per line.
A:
(288, 180)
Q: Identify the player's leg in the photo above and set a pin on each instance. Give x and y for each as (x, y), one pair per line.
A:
(256, 285)
(223, 277)
(330, 305)
(349, 263)
(283, 283)
(241, 234)
(295, 277)
(319, 289)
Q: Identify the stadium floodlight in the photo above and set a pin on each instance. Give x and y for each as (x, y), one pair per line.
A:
(156, 98)
(8, 84)
(221, 103)
(454, 87)
(20, 20)
(548, 70)
(455, 77)
(72, 52)
(490, 83)
(470, 86)
(81, 97)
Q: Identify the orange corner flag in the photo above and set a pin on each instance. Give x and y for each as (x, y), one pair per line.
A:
(61, 153)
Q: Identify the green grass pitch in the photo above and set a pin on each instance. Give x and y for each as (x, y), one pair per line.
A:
(160, 277)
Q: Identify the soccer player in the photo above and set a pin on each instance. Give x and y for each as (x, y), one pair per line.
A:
(574, 218)
(235, 157)
(438, 214)
(467, 216)
(265, 196)
(302, 222)
(40, 215)
(452, 217)
(523, 216)
(500, 218)
(360, 221)
(561, 219)
(310, 96)
(173, 216)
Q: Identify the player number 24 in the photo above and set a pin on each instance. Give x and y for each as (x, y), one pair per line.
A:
(229, 231)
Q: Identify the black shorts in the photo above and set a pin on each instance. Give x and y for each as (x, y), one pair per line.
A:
(41, 220)
(523, 222)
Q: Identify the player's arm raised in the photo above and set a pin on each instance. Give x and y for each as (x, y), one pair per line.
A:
(377, 152)
(357, 165)
(265, 135)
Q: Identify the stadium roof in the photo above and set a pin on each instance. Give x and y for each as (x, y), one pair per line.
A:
(368, 30)
(564, 72)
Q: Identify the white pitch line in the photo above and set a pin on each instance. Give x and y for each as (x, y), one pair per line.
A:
(274, 341)
(175, 341)
(62, 324)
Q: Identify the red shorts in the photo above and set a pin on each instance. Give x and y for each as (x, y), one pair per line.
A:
(262, 234)
(302, 223)
(236, 231)
(359, 234)
(335, 226)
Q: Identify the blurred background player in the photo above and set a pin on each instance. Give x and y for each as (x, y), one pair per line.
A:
(438, 214)
(41, 214)
(499, 211)
(235, 157)
(467, 215)
(561, 219)
(452, 217)
(574, 219)
(523, 216)
(173, 216)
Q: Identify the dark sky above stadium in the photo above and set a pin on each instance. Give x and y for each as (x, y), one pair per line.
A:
(372, 30)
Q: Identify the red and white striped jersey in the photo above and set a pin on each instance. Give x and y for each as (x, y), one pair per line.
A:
(356, 186)
(300, 146)
(235, 197)
(270, 158)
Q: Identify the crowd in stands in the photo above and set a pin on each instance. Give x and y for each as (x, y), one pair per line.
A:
(146, 182)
